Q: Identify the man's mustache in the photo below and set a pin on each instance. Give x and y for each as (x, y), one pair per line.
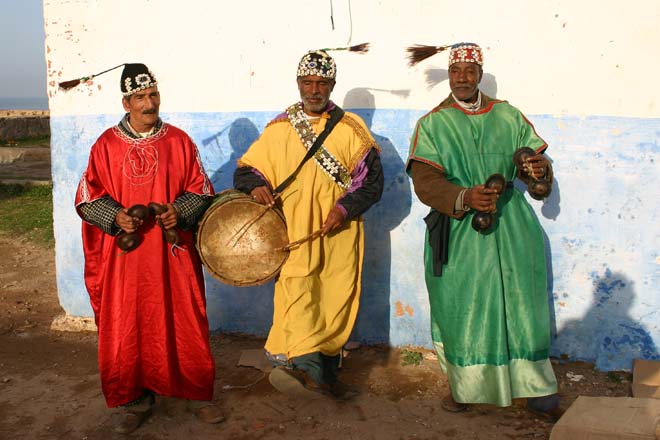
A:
(151, 111)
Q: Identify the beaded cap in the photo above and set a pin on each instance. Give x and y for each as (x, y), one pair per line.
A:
(466, 53)
(136, 77)
(319, 63)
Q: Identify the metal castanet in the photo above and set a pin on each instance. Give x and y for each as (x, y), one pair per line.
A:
(240, 241)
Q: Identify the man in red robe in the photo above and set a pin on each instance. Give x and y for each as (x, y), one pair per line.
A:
(148, 302)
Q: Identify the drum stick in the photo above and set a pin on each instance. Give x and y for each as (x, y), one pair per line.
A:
(243, 229)
(311, 236)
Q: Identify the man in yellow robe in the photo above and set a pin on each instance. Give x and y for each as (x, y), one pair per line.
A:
(317, 292)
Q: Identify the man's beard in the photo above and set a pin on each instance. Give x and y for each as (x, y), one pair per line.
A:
(315, 107)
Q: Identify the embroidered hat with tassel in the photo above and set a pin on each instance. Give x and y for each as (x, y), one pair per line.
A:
(319, 63)
(459, 53)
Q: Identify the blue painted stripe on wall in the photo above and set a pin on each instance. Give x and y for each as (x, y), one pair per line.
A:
(602, 235)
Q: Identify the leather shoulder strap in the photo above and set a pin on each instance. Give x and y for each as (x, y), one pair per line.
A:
(335, 116)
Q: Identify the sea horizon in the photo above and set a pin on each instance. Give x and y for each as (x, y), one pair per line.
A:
(33, 103)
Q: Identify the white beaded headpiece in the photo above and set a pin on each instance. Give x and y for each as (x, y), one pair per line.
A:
(319, 63)
(136, 77)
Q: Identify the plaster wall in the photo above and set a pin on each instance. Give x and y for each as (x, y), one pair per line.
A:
(581, 73)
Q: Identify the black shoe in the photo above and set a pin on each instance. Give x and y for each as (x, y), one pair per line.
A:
(546, 407)
(450, 405)
(342, 391)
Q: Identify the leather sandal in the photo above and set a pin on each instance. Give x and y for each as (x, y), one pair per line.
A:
(134, 413)
(209, 413)
(295, 383)
(131, 420)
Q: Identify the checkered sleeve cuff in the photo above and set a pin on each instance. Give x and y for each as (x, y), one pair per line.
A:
(190, 207)
(102, 213)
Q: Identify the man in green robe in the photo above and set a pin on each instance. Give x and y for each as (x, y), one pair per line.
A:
(488, 297)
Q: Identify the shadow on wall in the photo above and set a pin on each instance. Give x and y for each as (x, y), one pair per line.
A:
(551, 206)
(623, 340)
(373, 322)
(488, 83)
(242, 133)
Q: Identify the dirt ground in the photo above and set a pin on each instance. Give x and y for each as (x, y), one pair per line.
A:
(50, 389)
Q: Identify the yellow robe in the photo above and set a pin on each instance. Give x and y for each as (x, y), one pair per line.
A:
(318, 290)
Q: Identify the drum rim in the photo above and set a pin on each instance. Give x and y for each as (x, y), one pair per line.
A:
(210, 270)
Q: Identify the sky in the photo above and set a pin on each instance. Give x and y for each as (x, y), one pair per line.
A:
(22, 55)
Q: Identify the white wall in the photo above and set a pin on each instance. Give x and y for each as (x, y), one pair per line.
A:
(550, 57)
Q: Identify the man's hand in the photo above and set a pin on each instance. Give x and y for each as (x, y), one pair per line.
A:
(538, 166)
(481, 198)
(263, 195)
(127, 223)
(168, 218)
(334, 221)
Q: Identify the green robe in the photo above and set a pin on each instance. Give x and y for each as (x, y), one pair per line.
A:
(489, 309)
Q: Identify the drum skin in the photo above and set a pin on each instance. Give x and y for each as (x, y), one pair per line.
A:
(240, 241)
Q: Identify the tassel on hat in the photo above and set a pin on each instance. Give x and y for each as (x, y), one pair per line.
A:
(134, 77)
(420, 52)
(460, 53)
(358, 48)
(319, 63)
(66, 85)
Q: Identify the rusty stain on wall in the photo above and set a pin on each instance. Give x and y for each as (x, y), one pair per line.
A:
(401, 310)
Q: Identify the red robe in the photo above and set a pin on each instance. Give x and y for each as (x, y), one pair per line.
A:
(149, 305)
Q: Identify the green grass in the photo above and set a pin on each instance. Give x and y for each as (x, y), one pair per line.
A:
(619, 376)
(409, 357)
(27, 211)
(27, 142)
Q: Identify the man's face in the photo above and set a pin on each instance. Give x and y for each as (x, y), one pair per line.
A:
(315, 93)
(464, 80)
(143, 108)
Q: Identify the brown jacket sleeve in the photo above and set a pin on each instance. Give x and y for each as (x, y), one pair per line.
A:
(434, 190)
